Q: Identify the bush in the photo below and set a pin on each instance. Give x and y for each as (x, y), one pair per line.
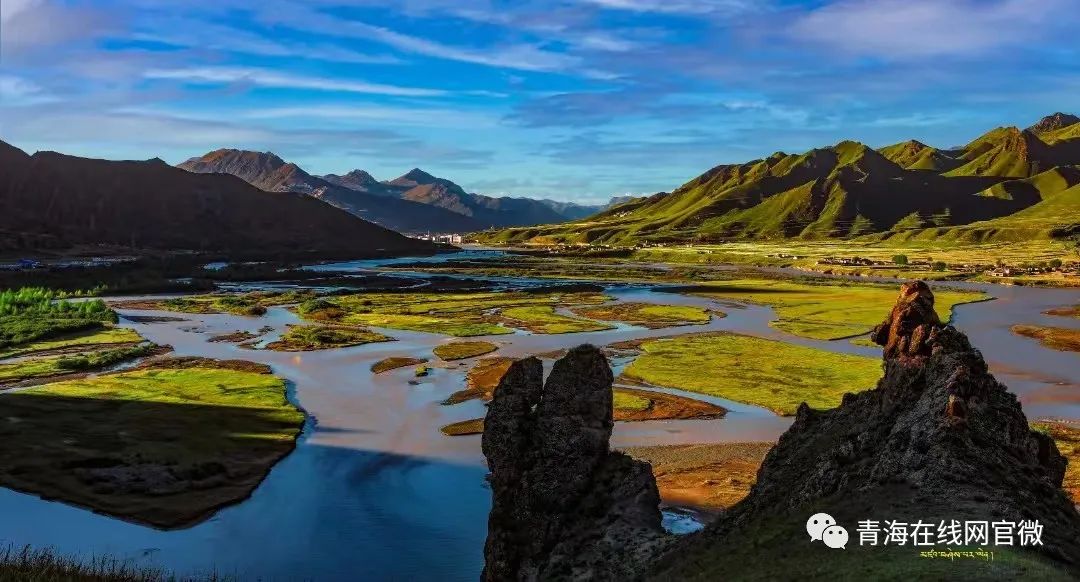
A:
(939, 266)
(900, 259)
(1055, 264)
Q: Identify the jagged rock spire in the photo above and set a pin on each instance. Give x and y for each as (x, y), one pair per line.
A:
(564, 505)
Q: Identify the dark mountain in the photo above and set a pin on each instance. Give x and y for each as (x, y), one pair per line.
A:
(1053, 122)
(617, 200)
(573, 210)
(54, 200)
(269, 172)
(355, 180)
(419, 186)
(414, 202)
(905, 190)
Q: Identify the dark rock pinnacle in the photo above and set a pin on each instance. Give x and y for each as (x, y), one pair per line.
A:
(564, 505)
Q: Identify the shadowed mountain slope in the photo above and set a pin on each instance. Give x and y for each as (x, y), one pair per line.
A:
(269, 172)
(414, 202)
(51, 200)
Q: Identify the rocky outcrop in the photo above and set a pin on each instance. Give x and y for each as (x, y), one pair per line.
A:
(938, 439)
(564, 505)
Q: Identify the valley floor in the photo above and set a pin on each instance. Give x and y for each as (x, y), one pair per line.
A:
(711, 360)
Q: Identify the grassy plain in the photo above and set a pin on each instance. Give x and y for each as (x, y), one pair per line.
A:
(395, 362)
(771, 374)
(251, 304)
(104, 336)
(456, 314)
(463, 350)
(32, 368)
(306, 338)
(544, 319)
(827, 310)
(648, 315)
(162, 446)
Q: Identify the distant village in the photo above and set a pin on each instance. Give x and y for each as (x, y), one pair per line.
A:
(1067, 269)
(447, 238)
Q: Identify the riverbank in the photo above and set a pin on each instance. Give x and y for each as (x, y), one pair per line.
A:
(373, 470)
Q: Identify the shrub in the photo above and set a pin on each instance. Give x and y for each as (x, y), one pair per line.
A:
(900, 259)
(939, 266)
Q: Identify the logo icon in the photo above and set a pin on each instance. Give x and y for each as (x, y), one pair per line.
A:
(822, 527)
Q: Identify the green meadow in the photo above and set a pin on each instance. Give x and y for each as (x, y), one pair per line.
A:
(826, 311)
(771, 374)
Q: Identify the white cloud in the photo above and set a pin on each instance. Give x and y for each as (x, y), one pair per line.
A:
(29, 24)
(9, 8)
(267, 78)
(899, 29)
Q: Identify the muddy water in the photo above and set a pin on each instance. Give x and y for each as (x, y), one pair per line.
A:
(375, 491)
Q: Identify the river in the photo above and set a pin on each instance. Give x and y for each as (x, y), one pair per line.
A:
(375, 491)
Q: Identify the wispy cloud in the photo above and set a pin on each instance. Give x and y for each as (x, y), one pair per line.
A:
(525, 57)
(680, 6)
(421, 116)
(131, 134)
(18, 91)
(903, 29)
(196, 34)
(27, 25)
(268, 78)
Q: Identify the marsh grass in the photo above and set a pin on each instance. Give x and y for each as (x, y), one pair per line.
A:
(543, 319)
(649, 315)
(395, 362)
(30, 565)
(306, 338)
(463, 350)
(89, 338)
(771, 374)
(159, 445)
(1073, 311)
(1058, 338)
(58, 365)
(826, 311)
(455, 314)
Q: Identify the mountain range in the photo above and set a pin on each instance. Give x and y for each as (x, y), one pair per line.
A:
(413, 202)
(54, 201)
(1008, 184)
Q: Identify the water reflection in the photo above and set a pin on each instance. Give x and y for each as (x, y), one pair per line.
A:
(375, 491)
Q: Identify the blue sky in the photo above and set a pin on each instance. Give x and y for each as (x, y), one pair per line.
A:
(572, 99)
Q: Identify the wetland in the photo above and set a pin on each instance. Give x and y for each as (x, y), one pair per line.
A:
(353, 425)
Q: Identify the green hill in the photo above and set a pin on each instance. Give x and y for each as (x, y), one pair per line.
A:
(1038, 187)
(1057, 216)
(1006, 152)
(915, 155)
(905, 190)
